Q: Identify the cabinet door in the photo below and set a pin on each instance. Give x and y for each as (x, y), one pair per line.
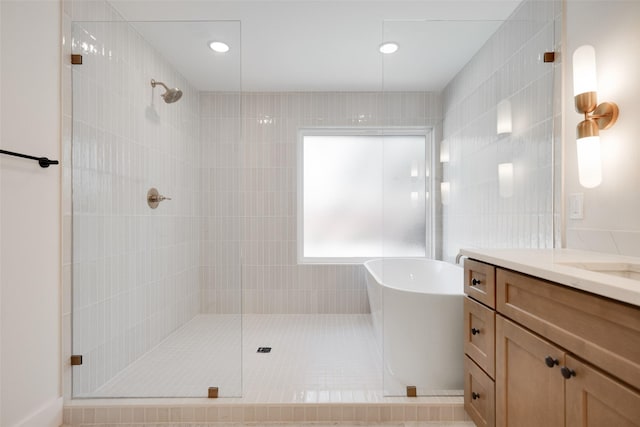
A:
(479, 395)
(479, 335)
(597, 400)
(529, 393)
(480, 282)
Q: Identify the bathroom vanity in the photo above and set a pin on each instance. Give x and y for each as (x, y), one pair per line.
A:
(552, 338)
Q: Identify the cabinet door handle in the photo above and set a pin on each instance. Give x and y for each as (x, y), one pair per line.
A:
(475, 282)
(551, 362)
(567, 372)
(475, 331)
(475, 395)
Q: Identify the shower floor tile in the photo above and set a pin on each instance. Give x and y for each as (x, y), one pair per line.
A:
(313, 359)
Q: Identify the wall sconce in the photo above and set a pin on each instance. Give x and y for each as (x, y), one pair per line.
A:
(414, 169)
(503, 113)
(444, 152)
(596, 116)
(445, 189)
(505, 180)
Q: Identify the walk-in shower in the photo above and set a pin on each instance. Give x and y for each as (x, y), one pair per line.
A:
(175, 301)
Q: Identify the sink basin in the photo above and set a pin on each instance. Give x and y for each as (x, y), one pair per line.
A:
(626, 270)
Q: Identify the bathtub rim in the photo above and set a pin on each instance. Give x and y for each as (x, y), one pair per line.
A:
(428, 260)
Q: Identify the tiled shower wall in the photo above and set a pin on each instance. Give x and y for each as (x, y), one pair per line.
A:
(135, 270)
(509, 66)
(254, 187)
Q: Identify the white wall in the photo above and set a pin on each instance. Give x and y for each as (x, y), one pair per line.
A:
(265, 176)
(612, 210)
(30, 215)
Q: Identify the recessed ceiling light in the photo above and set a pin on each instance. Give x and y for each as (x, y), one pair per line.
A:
(219, 47)
(388, 47)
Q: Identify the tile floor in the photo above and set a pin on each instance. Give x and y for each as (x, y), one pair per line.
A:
(313, 358)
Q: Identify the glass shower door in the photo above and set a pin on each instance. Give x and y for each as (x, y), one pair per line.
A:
(488, 104)
(156, 288)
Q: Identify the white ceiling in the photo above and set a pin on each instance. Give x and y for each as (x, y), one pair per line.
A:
(317, 45)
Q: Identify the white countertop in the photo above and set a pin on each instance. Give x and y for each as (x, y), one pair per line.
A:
(550, 264)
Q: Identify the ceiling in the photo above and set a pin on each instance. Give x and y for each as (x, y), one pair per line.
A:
(317, 45)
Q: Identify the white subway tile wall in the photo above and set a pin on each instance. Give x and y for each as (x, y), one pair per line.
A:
(251, 179)
(135, 271)
(508, 67)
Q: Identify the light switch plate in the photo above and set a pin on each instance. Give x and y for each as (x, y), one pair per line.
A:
(576, 206)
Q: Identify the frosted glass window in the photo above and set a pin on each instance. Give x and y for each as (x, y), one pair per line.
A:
(362, 196)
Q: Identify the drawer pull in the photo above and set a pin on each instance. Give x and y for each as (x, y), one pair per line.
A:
(567, 372)
(551, 362)
(475, 282)
(475, 331)
(475, 395)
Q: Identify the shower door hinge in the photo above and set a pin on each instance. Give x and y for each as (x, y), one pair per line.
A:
(76, 59)
(76, 359)
(412, 391)
(213, 393)
(549, 57)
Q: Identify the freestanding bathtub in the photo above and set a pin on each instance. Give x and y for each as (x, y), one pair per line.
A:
(417, 312)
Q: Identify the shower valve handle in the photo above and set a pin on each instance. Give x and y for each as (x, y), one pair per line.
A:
(154, 198)
(158, 198)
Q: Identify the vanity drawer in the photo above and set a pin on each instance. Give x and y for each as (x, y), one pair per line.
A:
(480, 282)
(479, 335)
(603, 332)
(479, 395)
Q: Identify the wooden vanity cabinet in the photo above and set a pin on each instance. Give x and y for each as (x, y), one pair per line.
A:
(563, 357)
(529, 393)
(596, 399)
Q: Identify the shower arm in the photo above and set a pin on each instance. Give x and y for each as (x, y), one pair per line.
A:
(155, 83)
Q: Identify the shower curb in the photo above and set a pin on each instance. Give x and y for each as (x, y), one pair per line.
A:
(85, 414)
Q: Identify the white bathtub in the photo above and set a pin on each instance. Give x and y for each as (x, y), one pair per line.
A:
(416, 308)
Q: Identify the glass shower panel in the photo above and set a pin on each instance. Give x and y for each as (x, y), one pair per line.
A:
(484, 93)
(156, 290)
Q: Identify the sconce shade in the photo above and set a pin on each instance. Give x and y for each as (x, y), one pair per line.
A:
(589, 161)
(584, 70)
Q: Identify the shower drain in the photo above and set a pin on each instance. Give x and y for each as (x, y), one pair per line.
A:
(264, 350)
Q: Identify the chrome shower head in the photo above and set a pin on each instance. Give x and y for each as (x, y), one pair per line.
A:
(170, 95)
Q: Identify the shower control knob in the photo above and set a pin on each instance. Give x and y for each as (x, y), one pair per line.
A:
(475, 331)
(154, 198)
(475, 395)
(475, 282)
(550, 361)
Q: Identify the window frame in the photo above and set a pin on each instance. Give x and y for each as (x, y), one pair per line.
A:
(428, 132)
